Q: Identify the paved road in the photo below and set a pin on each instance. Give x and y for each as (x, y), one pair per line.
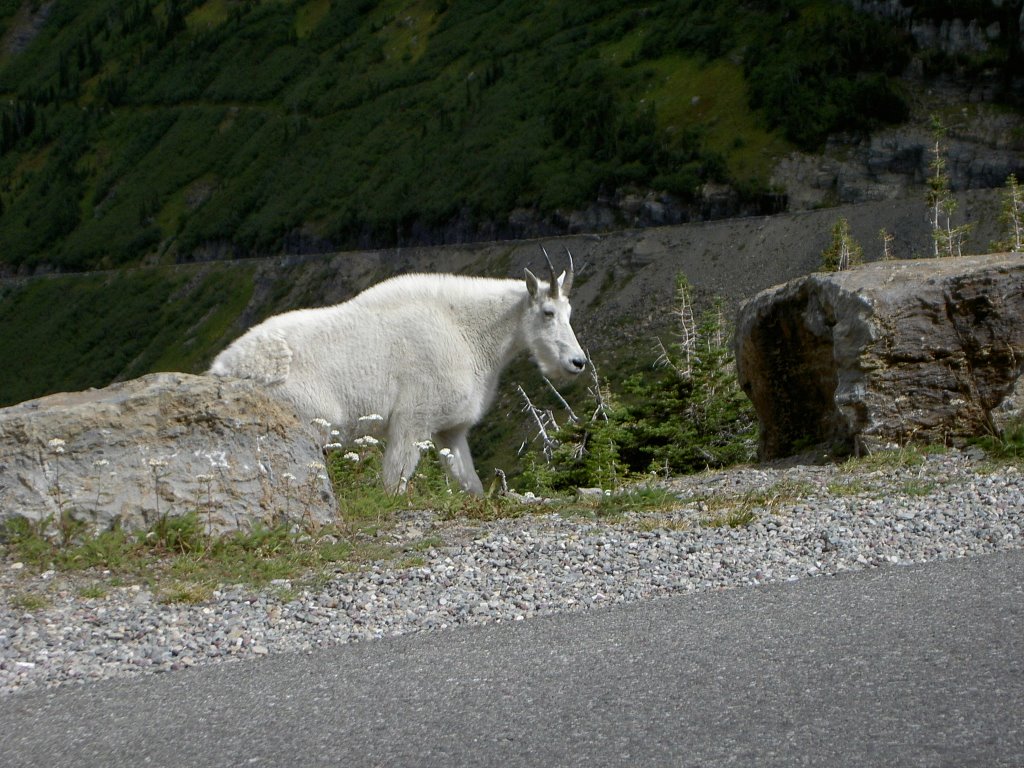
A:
(918, 666)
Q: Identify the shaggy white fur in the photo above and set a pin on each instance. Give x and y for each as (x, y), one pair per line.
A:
(423, 351)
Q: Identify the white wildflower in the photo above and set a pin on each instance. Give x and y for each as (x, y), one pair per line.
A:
(372, 417)
(204, 478)
(367, 440)
(335, 433)
(351, 456)
(322, 423)
(316, 466)
(446, 454)
(288, 476)
(100, 463)
(57, 445)
(157, 463)
(424, 445)
(333, 446)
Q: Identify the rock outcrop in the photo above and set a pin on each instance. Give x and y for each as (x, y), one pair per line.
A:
(163, 445)
(927, 350)
(982, 144)
(24, 26)
(971, 28)
(982, 151)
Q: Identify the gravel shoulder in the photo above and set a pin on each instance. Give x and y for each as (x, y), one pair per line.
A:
(798, 521)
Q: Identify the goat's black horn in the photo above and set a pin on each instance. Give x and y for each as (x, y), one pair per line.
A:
(569, 273)
(553, 290)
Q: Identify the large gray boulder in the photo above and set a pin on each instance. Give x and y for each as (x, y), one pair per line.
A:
(928, 350)
(162, 445)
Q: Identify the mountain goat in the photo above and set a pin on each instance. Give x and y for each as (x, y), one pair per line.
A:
(425, 352)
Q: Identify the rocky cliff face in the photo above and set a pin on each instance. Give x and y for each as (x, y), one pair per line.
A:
(984, 141)
(27, 23)
(951, 32)
(981, 150)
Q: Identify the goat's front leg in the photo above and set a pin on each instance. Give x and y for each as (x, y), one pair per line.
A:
(459, 462)
(401, 456)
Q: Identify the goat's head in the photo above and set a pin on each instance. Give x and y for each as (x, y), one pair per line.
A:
(549, 336)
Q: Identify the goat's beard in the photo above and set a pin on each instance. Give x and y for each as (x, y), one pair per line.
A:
(549, 368)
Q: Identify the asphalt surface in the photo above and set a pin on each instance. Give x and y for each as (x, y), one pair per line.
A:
(904, 666)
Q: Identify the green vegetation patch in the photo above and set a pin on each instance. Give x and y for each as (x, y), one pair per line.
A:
(76, 332)
(1007, 445)
(210, 14)
(374, 121)
(712, 99)
(309, 15)
(180, 562)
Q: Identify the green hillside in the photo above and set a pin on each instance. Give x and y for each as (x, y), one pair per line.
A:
(72, 332)
(174, 130)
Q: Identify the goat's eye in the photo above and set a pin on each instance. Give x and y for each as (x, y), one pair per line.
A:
(549, 313)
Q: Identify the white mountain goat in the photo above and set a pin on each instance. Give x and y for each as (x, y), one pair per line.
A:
(425, 352)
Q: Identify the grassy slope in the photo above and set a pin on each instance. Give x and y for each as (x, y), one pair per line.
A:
(160, 128)
(74, 332)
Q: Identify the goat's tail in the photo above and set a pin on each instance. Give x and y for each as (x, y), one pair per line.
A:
(265, 358)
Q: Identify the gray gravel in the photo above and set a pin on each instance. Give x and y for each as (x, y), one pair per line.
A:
(808, 521)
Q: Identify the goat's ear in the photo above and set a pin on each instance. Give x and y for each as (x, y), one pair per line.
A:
(532, 283)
